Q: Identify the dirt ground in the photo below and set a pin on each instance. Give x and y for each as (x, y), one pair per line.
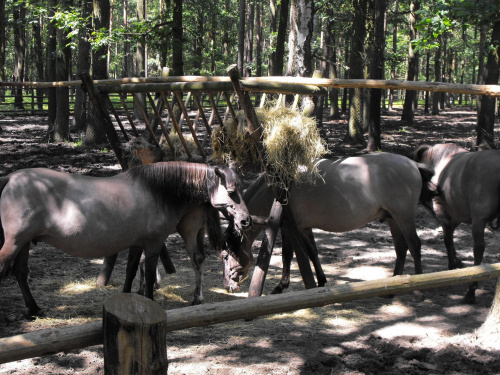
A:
(420, 333)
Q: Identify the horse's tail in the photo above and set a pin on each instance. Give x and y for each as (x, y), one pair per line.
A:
(3, 182)
(429, 190)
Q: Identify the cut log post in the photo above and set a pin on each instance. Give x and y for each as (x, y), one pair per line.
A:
(135, 336)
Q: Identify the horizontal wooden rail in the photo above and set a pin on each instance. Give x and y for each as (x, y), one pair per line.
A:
(51, 341)
(287, 85)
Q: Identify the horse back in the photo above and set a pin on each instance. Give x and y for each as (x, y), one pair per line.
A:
(470, 186)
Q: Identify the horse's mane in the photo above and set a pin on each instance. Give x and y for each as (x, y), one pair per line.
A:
(215, 234)
(436, 152)
(175, 183)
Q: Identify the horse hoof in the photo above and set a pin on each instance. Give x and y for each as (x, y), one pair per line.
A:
(33, 314)
(277, 290)
(469, 300)
(196, 302)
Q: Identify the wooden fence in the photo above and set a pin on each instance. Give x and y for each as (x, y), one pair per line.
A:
(50, 341)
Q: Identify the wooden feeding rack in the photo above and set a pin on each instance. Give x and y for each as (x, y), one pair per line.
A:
(228, 88)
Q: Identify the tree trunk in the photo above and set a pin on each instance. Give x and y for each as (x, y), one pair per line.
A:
(198, 43)
(394, 51)
(83, 66)
(377, 72)
(408, 112)
(354, 135)
(248, 53)
(94, 134)
(2, 48)
(37, 37)
(302, 23)
(241, 35)
(436, 96)
(284, 11)
(259, 39)
(491, 326)
(140, 60)
(19, 16)
(177, 35)
(50, 70)
(272, 31)
(61, 123)
(486, 110)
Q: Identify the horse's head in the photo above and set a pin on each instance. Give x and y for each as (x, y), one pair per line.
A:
(141, 152)
(237, 259)
(227, 198)
(437, 154)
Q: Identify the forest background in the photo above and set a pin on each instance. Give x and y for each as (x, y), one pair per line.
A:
(455, 41)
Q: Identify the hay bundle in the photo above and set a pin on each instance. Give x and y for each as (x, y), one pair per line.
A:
(179, 152)
(291, 142)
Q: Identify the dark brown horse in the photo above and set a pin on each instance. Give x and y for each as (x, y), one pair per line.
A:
(468, 191)
(95, 217)
(349, 194)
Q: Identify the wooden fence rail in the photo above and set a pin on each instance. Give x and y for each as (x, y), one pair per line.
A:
(44, 342)
(274, 84)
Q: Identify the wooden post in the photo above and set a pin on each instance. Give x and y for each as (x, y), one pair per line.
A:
(135, 336)
(280, 195)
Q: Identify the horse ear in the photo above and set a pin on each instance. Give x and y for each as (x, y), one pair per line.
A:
(218, 172)
(420, 151)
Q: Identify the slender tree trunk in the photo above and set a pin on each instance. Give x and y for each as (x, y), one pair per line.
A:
(437, 78)
(259, 39)
(2, 48)
(331, 65)
(394, 51)
(408, 112)
(94, 134)
(19, 16)
(442, 97)
(377, 72)
(50, 70)
(427, 79)
(248, 52)
(281, 38)
(486, 112)
(198, 43)
(83, 66)
(127, 54)
(303, 25)
(241, 35)
(37, 37)
(61, 123)
(177, 35)
(140, 59)
(354, 135)
(272, 31)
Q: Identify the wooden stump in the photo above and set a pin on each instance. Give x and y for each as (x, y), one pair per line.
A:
(134, 336)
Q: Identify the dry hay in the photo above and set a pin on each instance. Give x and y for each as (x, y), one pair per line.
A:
(291, 141)
(179, 152)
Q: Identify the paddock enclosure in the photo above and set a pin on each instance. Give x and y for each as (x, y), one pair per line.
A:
(428, 332)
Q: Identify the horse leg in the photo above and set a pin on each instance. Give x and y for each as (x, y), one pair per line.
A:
(134, 257)
(453, 261)
(312, 252)
(106, 269)
(150, 264)
(399, 245)
(479, 246)
(196, 253)
(21, 271)
(286, 256)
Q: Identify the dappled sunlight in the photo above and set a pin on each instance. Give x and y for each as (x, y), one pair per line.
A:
(79, 287)
(408, 330)
(367, 273)
(396, 309)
